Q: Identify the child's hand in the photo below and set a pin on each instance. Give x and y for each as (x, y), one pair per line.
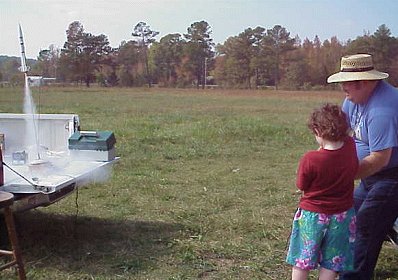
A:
(298, 192)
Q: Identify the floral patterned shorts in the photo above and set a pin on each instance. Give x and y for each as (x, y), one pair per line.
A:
(321, 239)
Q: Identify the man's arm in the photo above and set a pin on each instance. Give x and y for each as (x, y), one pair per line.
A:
(373, 163)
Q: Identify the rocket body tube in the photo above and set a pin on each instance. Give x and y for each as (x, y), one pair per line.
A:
(24, 68)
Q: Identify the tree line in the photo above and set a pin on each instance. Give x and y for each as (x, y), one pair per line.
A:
(255, 58)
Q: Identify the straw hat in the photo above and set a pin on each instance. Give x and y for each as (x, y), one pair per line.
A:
(356, 67)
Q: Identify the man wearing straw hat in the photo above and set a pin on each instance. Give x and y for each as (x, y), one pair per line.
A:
(371, 105)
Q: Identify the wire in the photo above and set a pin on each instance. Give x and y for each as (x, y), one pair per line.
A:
(20, 175)
(76, 213)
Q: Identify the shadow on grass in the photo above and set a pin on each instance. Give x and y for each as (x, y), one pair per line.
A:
(93, 246)
(382, 275)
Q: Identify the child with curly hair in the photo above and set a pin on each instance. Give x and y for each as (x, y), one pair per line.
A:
(323, 228)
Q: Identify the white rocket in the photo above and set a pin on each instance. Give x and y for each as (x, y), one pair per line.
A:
(24, 68)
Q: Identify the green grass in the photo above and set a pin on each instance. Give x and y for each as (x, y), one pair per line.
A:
(204, 188)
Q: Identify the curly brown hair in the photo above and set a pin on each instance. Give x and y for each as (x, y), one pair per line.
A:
(329, 122)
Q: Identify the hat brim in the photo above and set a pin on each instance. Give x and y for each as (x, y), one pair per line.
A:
(357, 76)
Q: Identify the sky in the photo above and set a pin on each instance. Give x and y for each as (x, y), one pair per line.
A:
(44, 22)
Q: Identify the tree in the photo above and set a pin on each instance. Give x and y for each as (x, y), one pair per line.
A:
(259, 63)
(232, 68)
(167, 56)
(128, 59)
(83, 54)
(238, 54)
(278, 41)
(362, 44)
(312, 55)
(384, 47)
(243, 59)
(146, 38)
(386, 52)
(95, 52)
(48, 60)
(108, 69)
(199, 49)
(296, 72)
(69, 63)
(332, 51)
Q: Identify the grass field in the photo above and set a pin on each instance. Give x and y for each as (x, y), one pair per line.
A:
(204, 188)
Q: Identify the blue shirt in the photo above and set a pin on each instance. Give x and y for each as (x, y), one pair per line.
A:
(375, 123)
